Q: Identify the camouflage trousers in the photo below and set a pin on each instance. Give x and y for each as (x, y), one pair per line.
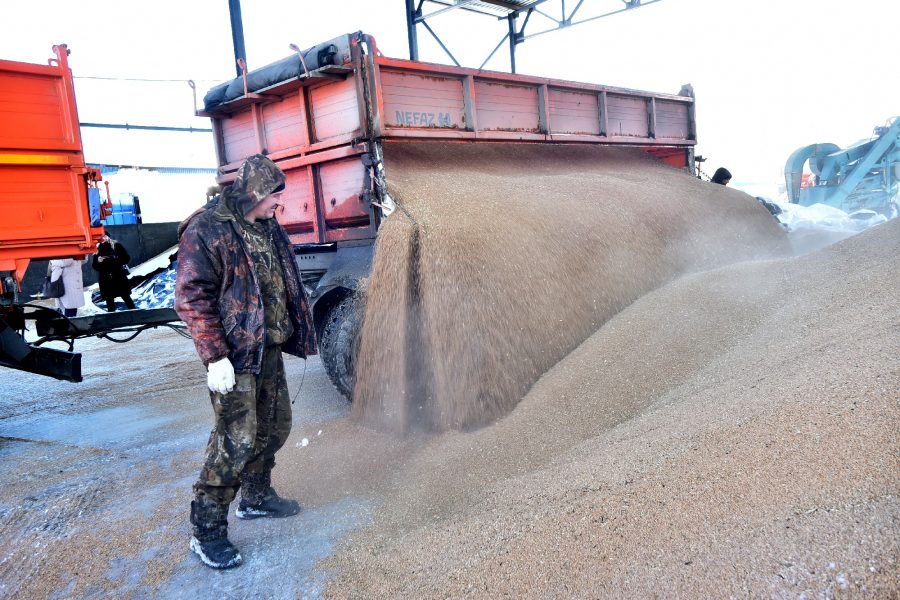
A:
(252, 423)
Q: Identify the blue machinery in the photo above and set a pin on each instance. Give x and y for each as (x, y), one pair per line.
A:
(865, 175)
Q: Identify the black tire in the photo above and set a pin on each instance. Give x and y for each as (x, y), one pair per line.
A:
(338, 343)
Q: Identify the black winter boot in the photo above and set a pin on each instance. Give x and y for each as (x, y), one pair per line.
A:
(258, 499)
(210, 539)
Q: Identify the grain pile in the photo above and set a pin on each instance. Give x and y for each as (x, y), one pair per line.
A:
(511, 255)
(731, 434)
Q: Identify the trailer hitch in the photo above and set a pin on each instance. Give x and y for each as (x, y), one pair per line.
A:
(15, 353)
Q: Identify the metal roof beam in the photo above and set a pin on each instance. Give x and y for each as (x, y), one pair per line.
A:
(494, 51)
(629, 5)
(441, 44)
(513, 9)
(568, 20)
(462, 6)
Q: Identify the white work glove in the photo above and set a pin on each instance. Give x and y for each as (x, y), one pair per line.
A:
(220, 376)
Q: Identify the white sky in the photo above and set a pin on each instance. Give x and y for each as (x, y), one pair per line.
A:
(769, 75)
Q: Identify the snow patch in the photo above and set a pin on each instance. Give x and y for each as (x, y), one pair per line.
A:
(822, 217)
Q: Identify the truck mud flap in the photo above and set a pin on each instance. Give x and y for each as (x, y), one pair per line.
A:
(351, 263)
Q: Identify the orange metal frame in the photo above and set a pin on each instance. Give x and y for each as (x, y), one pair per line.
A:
(43, 178)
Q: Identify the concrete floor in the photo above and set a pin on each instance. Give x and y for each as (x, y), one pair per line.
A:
(96, 481)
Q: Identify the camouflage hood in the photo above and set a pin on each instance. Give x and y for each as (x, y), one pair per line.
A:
(257, 177)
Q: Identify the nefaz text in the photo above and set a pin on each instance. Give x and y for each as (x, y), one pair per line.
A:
(423, 119)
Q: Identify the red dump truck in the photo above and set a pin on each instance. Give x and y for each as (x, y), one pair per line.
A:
(327, 114)
(49, 200)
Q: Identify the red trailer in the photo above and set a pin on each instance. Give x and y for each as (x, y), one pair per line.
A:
(48, 197)
(327, 114)
(49, 200)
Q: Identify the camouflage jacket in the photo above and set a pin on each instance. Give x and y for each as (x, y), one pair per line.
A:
(217, 291)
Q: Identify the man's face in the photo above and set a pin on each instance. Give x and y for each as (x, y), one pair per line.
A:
(266, 208)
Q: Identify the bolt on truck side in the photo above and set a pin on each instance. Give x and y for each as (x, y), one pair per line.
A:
(324, 116)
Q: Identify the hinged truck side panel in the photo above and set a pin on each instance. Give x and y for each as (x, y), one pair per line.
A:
(325, 116)
(49, 210)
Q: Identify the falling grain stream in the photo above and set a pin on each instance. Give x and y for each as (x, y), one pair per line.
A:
(507, 256)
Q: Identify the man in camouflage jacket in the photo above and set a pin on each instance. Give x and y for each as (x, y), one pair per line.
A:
(238, 289)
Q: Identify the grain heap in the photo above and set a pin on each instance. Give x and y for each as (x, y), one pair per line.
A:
(510, 255)
(731, 434)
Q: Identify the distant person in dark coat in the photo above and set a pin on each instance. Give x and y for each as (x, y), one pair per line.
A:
(110, 262)
(722, 176)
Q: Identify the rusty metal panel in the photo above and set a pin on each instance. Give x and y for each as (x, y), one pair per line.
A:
(506, 107)
(513, 107)
(298, 217)
(345, 212)
(284, 123)
(335, 109)
(574, 112)
(672, 120)
(627, 116)
(239, 136)
(422, 100)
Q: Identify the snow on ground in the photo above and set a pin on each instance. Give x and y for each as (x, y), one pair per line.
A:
(818, 217)
(96, 485)
(156, 291)
(813, 227)
(828, 218)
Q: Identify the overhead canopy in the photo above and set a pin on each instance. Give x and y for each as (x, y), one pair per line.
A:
(494, 8)
(552, 11)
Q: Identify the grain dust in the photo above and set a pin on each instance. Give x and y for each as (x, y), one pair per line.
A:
(514, 255)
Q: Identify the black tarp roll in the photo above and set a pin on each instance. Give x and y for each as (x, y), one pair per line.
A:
(287, 68)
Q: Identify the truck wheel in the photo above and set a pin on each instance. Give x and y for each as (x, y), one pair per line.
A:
(338, 343)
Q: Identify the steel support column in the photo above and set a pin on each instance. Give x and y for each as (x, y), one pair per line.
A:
(512, 41)
(237, 34)
(412, 14)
